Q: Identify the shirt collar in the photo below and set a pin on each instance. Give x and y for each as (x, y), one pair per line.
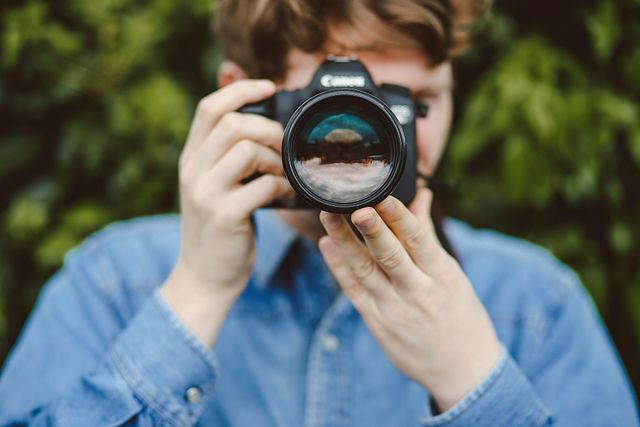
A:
(274, 238)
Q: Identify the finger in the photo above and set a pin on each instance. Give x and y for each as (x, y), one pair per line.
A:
(258, 193)
(355, 254)
(421, 206)
(234, 127)
(243, 160)
(341, 270)
(230, 98)
(383, 245)
(359, 295)
(414, 228)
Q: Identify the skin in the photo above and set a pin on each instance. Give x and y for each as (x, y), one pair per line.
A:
(413, 296)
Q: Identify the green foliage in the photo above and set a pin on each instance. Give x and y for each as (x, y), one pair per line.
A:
(546, 145)
(96, 100)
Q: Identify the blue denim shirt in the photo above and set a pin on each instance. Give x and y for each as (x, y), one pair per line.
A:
(102, 348)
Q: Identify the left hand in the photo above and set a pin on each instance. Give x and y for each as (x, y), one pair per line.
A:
(413, 296)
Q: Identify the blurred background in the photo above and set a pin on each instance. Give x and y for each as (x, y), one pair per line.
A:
(96, 99)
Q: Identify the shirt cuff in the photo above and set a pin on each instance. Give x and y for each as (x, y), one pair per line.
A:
(504, 398)
(164, 364)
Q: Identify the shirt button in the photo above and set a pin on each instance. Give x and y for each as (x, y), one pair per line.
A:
(193, 395)
(330, 343)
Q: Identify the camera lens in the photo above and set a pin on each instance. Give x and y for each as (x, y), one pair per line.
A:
(343, 149)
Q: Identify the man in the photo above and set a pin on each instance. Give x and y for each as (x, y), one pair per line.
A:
(192, 321)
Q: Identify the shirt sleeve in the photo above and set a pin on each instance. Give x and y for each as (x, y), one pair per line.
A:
(504, 398)
(573, 375)
(79, 362)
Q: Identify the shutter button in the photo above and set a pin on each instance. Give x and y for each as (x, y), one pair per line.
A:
(193, 395)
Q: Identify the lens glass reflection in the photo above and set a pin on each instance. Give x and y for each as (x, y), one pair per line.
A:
(342, 154)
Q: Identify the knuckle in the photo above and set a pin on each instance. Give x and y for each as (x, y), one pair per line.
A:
(207, 107)
(364, 269)
(392, 259)
(352, 288)
(246, 149)
(416, 240)
(230, 122)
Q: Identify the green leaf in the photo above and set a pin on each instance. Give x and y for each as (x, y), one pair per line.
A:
(86, 217)
(604, 28)
(26, 218)
(22, 26)
(158, 109)
(621, 237)
(51, 251)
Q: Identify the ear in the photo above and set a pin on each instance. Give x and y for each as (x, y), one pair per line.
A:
(229, 72)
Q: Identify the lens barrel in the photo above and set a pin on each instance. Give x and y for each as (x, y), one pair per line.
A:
(343, 149)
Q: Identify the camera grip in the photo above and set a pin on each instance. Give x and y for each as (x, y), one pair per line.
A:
(261, 108)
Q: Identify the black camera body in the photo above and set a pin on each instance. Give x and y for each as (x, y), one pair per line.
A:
(363, 117)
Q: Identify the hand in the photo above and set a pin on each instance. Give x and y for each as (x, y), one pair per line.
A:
(413, 296)
(217, 247)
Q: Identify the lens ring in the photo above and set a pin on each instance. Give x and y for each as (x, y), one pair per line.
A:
(332, 99)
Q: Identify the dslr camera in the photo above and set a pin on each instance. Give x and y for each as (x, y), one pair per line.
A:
(347, 142)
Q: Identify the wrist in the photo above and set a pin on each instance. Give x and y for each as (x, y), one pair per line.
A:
(201, 306)
(454, 383)
(190, 283)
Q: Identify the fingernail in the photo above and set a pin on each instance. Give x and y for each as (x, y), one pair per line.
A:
(365, 222)
(388, 206)
(332, 221)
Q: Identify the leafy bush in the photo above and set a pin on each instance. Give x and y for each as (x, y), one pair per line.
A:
(547, 145)
(96, 99)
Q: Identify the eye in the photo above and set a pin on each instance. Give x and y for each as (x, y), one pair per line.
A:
(429, 97)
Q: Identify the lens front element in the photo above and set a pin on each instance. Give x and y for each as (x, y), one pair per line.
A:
(343, 150)
(342, 154)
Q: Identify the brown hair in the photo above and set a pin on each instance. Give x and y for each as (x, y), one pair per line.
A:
(258, 34)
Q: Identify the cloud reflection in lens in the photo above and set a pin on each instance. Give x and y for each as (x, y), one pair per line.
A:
(343, 156)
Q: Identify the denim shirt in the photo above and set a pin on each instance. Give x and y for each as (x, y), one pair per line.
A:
(102, 347)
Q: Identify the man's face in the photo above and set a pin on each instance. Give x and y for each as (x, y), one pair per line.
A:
(407, 68)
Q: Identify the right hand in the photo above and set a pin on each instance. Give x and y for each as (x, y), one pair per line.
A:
(218, 248)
